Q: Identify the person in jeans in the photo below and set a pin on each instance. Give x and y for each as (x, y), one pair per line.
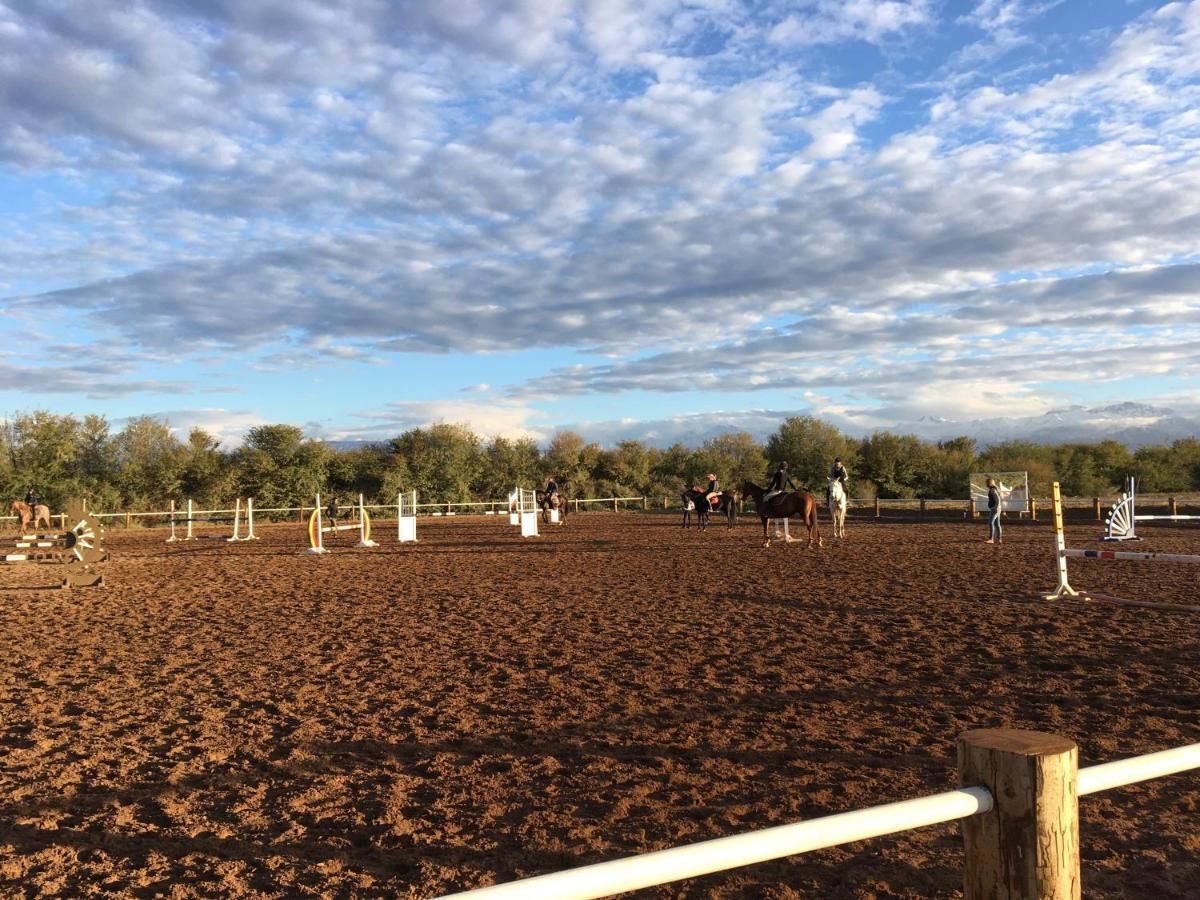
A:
(994, 530)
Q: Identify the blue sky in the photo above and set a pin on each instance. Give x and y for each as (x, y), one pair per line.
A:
(630, 218)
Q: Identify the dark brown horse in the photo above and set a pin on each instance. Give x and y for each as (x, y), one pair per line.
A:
(784, 506)
(545, 504)
(727, 505)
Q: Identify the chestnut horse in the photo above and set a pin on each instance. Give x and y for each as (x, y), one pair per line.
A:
(27, 514)
(784, 506)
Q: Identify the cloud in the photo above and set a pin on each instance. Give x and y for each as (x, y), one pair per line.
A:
(499, 419)
(697, 190)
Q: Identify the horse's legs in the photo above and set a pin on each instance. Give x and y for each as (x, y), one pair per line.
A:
(766, 533)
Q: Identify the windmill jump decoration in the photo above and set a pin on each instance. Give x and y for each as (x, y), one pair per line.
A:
(75, 550)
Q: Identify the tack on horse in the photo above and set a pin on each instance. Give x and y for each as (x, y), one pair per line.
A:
(784, 506)
(837, 507)
(727, 505)
(27, 514)
(548, 503)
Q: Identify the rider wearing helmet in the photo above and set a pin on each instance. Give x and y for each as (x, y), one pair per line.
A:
(837, 472)
(551, 488)
(712, 492)
(779, 482)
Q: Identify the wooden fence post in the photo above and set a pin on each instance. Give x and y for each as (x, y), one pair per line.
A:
(614, 504)
(1096, 508)
(128, 520)
(1172, 506)
(664, 502)
(877, 507)
(1033, 509)
(645, 504)
(1027, 847)
(576, 506)
(922, 507)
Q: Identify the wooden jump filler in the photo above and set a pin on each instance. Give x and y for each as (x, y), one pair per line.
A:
(76, 550)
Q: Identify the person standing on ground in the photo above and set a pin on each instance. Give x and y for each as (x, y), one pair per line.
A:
(994, 505)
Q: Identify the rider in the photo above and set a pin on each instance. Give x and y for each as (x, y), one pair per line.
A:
(331, 510)
(779, 481)
(551, 489)
(31, 500)
(837, 472)
(712, 491)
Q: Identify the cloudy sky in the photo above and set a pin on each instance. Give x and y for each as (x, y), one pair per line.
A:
(366, 215)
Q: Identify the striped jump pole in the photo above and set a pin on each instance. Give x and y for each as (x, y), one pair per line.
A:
(1062, 553)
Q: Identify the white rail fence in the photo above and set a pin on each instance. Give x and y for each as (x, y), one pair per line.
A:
(1040, 779)
(478, 508)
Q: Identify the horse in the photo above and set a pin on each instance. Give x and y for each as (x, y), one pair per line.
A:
(837, 507)
(546, 502)
(784, 506)
(727, 505)
(27, 514)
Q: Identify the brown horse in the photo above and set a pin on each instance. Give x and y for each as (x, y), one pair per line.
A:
(545, 504)
(784, 506)
(27, 514)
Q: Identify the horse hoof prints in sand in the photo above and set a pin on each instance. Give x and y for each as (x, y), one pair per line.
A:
(784, 506)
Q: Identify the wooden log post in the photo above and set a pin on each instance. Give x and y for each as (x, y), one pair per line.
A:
(614, 504)
(645, 504)
(1096, 508)
(1172, 506)
(1027, 847)
(877, 507)
(128, 520)
(1032, 509)
(664, 502)
(922, 507)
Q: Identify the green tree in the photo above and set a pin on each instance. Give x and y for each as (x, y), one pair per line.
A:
(809, 446)
(280, 467)
(149, 461)
(505, 464)
(442, 460)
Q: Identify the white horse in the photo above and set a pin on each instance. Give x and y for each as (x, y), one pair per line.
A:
(837, 507)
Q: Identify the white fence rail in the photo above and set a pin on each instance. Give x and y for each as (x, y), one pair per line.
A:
(704, 858)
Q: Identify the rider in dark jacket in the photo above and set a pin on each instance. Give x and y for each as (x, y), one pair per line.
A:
(837, 472)
(779, 482)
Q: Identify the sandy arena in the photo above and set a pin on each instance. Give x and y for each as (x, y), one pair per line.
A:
(240, 720)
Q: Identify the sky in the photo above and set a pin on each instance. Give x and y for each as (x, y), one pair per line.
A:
(629, 218)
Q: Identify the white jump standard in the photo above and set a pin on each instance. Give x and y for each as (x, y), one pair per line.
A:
(1062, 553)
(1122, 518)
(317, 529)
(526, 512)
(406, 517)
(237, 527)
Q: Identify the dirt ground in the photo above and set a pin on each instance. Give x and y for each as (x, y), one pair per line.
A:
(241, 720)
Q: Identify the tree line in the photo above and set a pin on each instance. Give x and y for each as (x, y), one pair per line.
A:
(144, 465)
